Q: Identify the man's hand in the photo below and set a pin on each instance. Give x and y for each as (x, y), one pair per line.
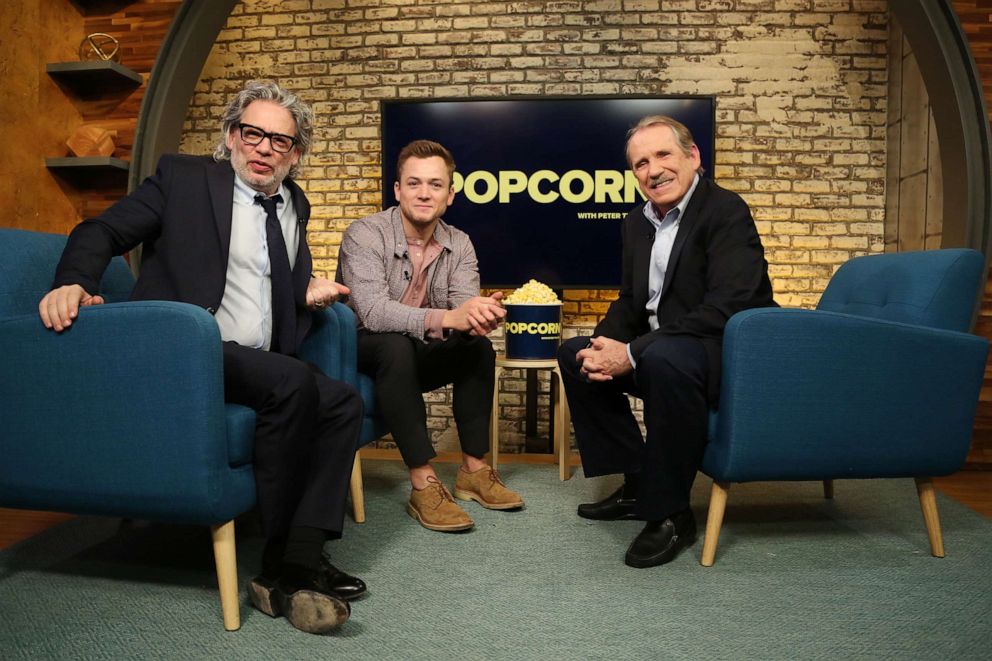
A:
(60, 306)
(322, 293)
(604, 359)
(479, 315)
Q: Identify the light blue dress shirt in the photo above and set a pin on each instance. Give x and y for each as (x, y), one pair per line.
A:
(665, 230)
(245, 312)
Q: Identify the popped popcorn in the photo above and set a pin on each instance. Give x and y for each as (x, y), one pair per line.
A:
(533, 292)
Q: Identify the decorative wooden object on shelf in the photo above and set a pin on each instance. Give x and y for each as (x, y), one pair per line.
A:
(91, 141)
(100, 46)
(102, 93)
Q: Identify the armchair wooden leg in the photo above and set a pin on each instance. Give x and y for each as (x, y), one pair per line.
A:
(828, 489)
(357, 490)
(494, 423)
(928, 503)
(563, 428)
(714, 520)
(226, 560)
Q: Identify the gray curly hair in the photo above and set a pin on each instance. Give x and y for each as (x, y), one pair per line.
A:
(266, 90)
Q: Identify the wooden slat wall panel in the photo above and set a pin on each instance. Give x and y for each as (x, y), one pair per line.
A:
(140, 28)
(976, 19)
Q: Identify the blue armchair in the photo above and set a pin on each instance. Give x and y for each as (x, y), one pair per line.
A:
(881, 380)
(373, 428)
(123, 414)
(331, 345)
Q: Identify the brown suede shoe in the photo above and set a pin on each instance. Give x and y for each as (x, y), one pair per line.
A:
(484, 487)
(435, 509)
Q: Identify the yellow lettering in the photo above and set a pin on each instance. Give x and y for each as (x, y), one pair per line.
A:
(552, 329)
(586, 181)
(510, 182)
(492, 187)
(533, 187)
(631, 188)
(575, 186)
(608, 185)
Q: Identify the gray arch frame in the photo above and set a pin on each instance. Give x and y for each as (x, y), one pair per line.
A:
(960, 115)
(180, 60)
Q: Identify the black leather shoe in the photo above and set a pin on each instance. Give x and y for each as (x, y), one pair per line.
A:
(661, 541)
(612, 508)
(343, 585)
(327, 576)
(298, 597)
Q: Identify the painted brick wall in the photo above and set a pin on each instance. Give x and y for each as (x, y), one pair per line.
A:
(800, 87)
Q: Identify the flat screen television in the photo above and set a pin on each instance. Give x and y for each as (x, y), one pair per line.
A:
(542, 185)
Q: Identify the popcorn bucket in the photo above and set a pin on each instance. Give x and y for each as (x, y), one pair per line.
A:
(533, 330)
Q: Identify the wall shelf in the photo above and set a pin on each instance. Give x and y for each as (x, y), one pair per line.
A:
(99, 6)
(93, 77)
(94, 164)
(90, 172)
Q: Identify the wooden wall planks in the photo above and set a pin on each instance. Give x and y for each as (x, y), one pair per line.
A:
(976, 20)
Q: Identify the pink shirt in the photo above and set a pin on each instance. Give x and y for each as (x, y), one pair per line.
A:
(422, 256)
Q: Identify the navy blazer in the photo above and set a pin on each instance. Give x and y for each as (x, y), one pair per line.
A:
(717, 268)
(182, 216)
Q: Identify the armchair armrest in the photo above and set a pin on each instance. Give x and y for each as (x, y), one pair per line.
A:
(814, 395)
(331, 343)
(121, 414)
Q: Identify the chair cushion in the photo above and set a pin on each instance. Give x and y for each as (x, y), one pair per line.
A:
(367, 390)
(240, 434)
(27, 265)
(934, 288)
(373, 424)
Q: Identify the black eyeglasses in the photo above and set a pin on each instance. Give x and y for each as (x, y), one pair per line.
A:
(252, 135)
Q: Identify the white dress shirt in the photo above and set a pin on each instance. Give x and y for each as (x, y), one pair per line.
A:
(245, 312)
(665, 230)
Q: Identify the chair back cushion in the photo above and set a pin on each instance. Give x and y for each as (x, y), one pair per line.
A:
(27, 268)
(934, 288)
(373, 424)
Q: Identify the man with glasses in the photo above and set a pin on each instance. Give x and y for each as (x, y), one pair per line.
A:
(229, 234)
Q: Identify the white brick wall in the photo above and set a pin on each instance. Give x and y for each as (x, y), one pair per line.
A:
(800, 87)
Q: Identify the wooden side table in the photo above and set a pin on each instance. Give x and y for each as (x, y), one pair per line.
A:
(562, 425)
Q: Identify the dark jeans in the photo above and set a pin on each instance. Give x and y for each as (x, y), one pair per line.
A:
(306, 433)
(671, 379)
(404, 368)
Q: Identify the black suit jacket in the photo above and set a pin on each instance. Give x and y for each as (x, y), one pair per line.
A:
(182, 215)
(717, 268)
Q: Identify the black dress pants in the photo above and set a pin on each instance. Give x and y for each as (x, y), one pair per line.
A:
(671, 379)
(404, 368)
(306, 433)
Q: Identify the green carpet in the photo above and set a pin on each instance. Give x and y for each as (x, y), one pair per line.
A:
(796, 577)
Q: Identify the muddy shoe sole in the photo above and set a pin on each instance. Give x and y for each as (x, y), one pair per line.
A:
(307, 610)
(260, 591)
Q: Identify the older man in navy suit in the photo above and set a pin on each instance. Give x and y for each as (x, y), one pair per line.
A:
(691, 259)
(228, 234)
